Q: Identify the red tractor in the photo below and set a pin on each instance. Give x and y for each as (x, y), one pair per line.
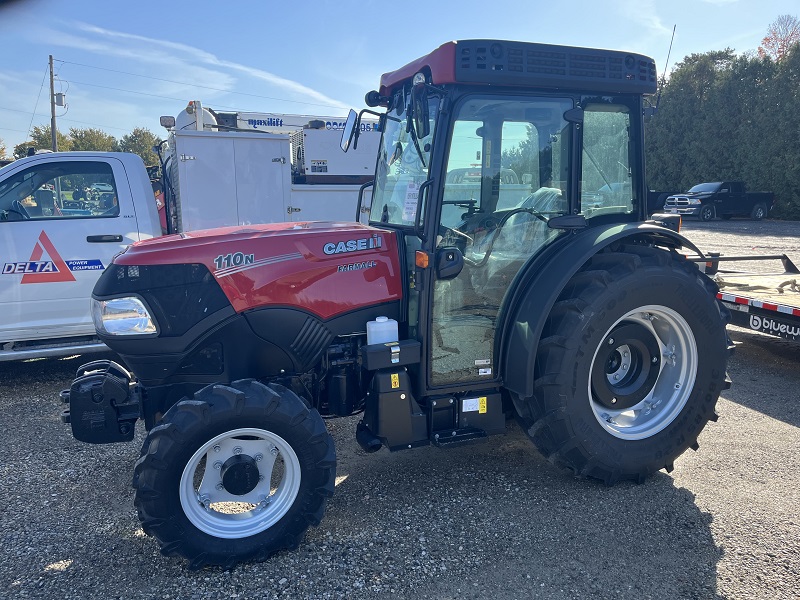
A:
(507, 239)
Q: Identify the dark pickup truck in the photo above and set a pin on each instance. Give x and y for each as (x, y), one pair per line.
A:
(723, 199)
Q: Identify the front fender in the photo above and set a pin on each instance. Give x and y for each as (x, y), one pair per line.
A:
(539, 285)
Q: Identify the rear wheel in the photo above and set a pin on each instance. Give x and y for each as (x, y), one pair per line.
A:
(707, 213)
(629, 367)
(759, 212)
(238, 473)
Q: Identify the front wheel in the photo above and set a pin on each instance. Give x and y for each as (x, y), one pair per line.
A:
(707, 213)
(238, 473)
(629, 367)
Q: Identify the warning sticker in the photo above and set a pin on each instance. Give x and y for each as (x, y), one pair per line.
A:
(477, 405)
(411, 201)
(395, 381)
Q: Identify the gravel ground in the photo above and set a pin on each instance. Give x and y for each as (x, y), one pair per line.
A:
(489, 520)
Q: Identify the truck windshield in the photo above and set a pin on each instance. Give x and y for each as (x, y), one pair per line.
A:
(402, 167)
(705, 187)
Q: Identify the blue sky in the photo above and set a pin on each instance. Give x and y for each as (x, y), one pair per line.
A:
(124, 64)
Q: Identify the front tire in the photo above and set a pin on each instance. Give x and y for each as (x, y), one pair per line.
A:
(238, 473)
(629, 367)
(707, 213)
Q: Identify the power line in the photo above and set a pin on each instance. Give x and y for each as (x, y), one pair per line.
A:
(62, 118)
(35, 106)
(205, 87)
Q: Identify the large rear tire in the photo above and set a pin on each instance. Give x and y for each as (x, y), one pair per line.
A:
(238, 473)
(629, 367)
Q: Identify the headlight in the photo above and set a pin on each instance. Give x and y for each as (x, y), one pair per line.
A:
(122, 316)
(695, 201)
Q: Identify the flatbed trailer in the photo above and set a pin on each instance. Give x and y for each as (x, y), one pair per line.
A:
(768, 302)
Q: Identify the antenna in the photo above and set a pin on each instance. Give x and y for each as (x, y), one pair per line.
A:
(666, 64)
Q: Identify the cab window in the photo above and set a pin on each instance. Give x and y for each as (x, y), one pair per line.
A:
(60, 190)
(606, 183)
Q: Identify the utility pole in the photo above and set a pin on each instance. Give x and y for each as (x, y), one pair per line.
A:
(53, 109)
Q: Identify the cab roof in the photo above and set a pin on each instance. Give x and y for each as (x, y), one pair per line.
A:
(529, 64)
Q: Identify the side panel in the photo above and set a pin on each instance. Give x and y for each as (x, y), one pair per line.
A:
(328, 202)
(323, 158)
(51, 261)
(230, 178)
(261, 179)
(207, 177)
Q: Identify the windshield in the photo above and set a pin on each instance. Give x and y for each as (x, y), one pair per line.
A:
(705, 187)
(403, 163)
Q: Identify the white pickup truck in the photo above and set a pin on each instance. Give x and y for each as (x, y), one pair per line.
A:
(64, 216)
(59, 231)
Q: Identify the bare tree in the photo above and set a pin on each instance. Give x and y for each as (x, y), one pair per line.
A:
(783, 33)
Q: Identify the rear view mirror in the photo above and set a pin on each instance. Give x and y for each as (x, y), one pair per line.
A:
(349, 131)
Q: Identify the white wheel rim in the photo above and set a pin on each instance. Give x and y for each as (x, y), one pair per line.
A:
(217, 511)
(674, 373)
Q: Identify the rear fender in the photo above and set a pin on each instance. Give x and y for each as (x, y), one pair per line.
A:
(539, 286)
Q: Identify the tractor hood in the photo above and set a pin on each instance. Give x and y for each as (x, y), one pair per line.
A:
(327, 268)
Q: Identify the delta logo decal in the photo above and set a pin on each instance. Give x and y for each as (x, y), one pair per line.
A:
(47, 266)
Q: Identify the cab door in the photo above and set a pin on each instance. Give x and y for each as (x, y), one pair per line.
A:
(61, 223)
(506, 177)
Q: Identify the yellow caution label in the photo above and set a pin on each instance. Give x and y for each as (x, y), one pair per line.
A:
(482, 405)
(395, 380)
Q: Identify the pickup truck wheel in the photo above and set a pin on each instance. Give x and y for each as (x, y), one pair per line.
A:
(759, 212)
(629, 367)
(238, 473)
(707, 213)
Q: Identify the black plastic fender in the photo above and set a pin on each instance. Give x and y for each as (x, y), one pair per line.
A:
(538, 286)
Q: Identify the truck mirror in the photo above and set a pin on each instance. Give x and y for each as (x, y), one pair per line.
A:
(167, 121)
(419, 108)
(349, 131)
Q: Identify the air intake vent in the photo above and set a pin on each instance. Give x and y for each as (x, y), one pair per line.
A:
(310, 342)
(547, 66)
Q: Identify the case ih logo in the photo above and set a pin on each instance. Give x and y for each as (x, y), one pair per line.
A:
(353, 245)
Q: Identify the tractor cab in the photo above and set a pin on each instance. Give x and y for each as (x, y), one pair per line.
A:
(492, 153)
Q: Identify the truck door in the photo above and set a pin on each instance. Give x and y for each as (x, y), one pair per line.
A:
(734, 201)
(62, 222)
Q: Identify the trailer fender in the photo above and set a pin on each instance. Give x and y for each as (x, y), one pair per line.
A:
(540, 282)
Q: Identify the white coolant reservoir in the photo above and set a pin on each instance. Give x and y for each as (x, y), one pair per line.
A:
(381, 331)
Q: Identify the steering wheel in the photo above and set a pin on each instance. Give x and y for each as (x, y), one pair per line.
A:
(498, 225)
(19, 208)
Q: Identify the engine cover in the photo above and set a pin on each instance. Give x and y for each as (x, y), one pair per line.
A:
(326, 268)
